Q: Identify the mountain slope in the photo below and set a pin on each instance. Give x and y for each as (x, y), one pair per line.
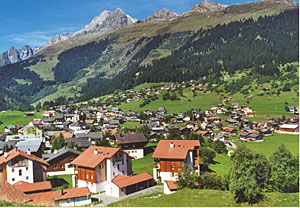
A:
(98, 62)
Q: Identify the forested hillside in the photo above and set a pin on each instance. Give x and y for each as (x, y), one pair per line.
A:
(228, 47)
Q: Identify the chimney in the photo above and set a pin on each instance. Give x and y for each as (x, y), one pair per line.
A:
(172, 145)
(95, 152)
(28, 151)
(5, 155)
(62, 192)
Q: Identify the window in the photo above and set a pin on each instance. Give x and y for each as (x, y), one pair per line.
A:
(87, 176)
(20, 172)
(118, 166)
(13, 179)
(12, 170)
(23, 161)
(27, 178)
(179, 167)
(26, 168)
(173, 167)
(100, 166)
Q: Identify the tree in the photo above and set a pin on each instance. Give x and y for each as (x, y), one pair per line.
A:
(248, 175)
(211, 181)
(206, 155)
(71, 144)
(187, 178)
(145, 130)
(220, 147)
(284, 176)
(58, 142)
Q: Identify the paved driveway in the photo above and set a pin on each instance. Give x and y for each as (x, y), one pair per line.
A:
(109, 199)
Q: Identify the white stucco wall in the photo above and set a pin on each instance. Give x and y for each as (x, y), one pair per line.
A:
(81, 201)
(136, 153)
(68, 171)
(167, 176)
(113, 190)
(167, 190)
(15, 174)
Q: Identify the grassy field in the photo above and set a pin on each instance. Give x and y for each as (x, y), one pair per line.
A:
(130, 125)
(11, 204)
(144, 164)
(222, 165)
(16, 118)
(66, 178)
(270, 145)
(206, 198)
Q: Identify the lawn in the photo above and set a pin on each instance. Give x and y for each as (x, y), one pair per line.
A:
(270, 145)
(11, 204)
(222, 165)
(144, 164)
(16, 118)
(130, 124)
(60, 180)
(206, 198)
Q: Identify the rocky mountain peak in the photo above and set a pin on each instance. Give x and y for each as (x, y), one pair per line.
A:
(283, 2)
(208, 6)
(163, 14)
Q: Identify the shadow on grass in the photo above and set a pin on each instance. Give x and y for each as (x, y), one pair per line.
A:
(56, 182)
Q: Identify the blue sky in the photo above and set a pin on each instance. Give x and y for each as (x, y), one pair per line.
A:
(34, 22)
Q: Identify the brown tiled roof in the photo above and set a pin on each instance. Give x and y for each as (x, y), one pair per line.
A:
(123, 181)
(252, 131)
(30, 187)
(202, 132)
(112, 131)
(90, 160)
(48, 198)
(16, 152)
(11, 194)
(179, 151)
(228, 129)
(172, 185)
(65, 134)
(130, 138)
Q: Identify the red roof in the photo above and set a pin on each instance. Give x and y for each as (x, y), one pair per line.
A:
(30, 187)
(16, 152)
(11, 194)
(90, 160)
(172, 185)
(48, 198)
(123, 181)
(179, 151)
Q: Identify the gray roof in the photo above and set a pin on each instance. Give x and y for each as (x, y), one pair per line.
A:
(32, 144)
(244, 134)
(9, 143)
(64, 150)
(80, 142)
(92, 135)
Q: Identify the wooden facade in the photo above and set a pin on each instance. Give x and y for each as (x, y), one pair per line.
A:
(3, 173)
(173, 166)
(289, 129)
(59, 163)
(96, 175)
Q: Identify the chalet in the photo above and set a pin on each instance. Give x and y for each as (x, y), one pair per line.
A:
(214, 120)
(49, 113)
(273, 125)
(11, 194)
(207, 134)
(266, 132)
(17, 165)
(59, 118)
(170, 156)
(36, 146)
(65, 197)
(160, 115)
(289, 129)
(244, 135)
(230, 121)
(92, 136)
(29, 114)
(231, 131)
(98, 166)
(255, 137)
(221, 137)
(59, 161)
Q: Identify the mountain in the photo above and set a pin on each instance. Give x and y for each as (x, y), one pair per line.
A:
(206, 6)
(12, 55)
(113, 52)
(161, 15)
(107, 22)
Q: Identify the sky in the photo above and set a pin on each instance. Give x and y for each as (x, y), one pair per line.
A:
(34, 22)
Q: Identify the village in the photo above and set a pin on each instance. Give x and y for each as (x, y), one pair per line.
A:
(92, 145)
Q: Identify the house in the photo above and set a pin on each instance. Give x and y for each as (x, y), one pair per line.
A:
(123, 185)
(30, 188)
(133, 144)
(214, 120)
(59, 161)
(230, 121)
(289, 129)
(170, 187)
(31, 130)
(36, 146)
(170, 156)
(92, 136)
(98, 166)
(81, 143)
(231, 131)
(49, 113)
(65, 197)
(17, 165)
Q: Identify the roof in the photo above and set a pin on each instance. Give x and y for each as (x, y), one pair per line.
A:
(92, 135)
(49, 197)
(289, 126)
(179, 151)
(123, 181)
(12, 194)
(80, 142)
(30, 187)
(60, 152)
(130, 138)
(14, 153)
(65, 134)
(172, 185)
(32, 144)
(90, 160)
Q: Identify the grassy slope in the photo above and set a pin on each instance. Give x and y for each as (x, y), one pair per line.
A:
(67, 178)
(206, 198)
(16, 118)
(144, 164)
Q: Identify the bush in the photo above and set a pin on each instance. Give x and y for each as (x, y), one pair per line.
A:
(211, 181)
